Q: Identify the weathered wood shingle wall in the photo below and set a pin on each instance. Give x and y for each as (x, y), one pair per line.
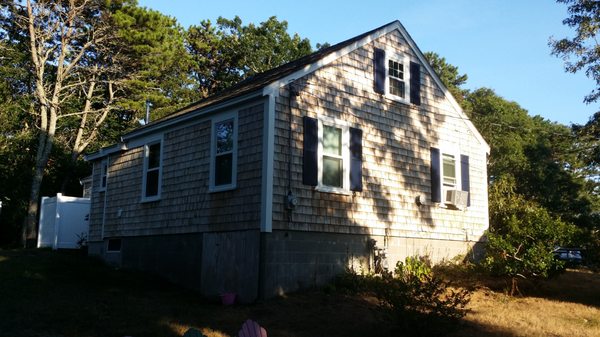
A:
(396, 155)
(186, 205)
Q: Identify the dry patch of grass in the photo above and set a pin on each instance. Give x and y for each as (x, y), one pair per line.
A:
(501, 315)
(568, 305)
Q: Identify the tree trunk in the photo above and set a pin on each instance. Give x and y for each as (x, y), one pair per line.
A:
(30, 227)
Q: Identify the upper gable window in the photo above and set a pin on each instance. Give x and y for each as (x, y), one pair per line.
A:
(397, 77)
(151, 185)
(223, 171)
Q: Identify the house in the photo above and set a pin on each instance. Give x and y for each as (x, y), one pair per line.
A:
(296, 174)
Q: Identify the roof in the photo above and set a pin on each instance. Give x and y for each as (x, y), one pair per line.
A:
(260, 80)
(252, 86)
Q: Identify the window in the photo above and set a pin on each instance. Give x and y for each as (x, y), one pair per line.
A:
(113, 245)
(334, 156)
(331, 155)
(449, 170)
(151, 185)
(224, 153)
(103, 175)
(333, 161)
(396, 78)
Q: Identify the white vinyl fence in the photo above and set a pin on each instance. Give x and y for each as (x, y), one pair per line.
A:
(64, 221)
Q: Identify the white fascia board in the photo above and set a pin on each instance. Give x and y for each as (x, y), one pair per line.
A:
(191, 115)
(103, 152)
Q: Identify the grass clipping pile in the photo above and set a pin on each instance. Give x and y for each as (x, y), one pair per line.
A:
(415, 298)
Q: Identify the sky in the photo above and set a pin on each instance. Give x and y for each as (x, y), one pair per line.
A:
(499, 44)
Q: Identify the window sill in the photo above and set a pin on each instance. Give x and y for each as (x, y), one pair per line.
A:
(150, 199)
(397, 99)
(215, 189)
(331, 189)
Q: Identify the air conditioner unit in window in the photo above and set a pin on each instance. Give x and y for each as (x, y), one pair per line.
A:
(457, 198)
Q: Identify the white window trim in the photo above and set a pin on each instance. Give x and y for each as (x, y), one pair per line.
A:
(405, 60)
(213, 151)
(454, 151)
(160, 169)
(103, 173)
(345, 189)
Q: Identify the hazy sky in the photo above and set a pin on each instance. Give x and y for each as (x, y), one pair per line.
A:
(500, 44)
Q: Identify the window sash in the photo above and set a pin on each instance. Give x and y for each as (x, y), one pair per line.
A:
(103, 175)
(152, 171)
(397, 76)
(334, 156)
(396, 80)
(223, 162)
(449, 170)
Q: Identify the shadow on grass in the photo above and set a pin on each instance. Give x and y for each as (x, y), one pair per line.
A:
(45, 293)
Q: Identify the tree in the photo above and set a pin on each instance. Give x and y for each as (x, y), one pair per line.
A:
(522, 235)
(76, 67)
(153, 45)
(230, 51)
(449, 75)
(582, 52)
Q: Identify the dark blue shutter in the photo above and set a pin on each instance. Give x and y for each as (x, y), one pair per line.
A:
(436, 190)
(464, 176)
(415, 83)
(355, 159)
(310, 160)
(379, 66)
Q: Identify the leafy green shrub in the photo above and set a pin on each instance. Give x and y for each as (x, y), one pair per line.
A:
(414, 297)
(522, 235)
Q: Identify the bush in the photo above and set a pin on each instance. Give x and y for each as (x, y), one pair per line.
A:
(414, 297)
(522, 236)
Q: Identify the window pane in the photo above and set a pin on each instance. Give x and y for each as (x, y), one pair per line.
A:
(224, 135)
(449, 170)
(104, 174)
(332, 171)
(396, 87)
(152, 183)
(396, 69)
(332, 140)
(154, 155)
(223, 169)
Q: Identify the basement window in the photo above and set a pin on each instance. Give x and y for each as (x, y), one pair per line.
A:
(113, 246)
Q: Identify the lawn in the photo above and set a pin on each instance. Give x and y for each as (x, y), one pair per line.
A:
(44, 293)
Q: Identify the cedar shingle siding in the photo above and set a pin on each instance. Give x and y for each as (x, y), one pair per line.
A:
(396, 155)
(185, 205)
